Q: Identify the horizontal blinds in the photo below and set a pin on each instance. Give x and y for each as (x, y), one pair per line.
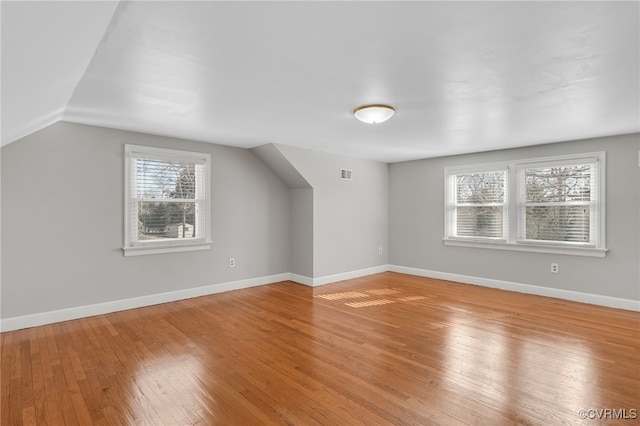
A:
(167, 199)
(565, 184)
(484, 222)
(558, 223)
(558, 202)
(166, 155)
(551, 201)
(480, 188)
(479, 204)
(162, 179)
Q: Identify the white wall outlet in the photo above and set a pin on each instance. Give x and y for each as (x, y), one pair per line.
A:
(379, 250)
(232, 262)
(555, 268)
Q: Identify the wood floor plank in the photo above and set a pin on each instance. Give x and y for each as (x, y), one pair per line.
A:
(383, 349)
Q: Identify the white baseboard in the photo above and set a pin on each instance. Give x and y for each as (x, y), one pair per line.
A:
(50, 317)
(594, 299)
(328, 279)
(301, 279)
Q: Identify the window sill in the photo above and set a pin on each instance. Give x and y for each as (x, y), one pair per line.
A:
(537, 248)
(162, 249)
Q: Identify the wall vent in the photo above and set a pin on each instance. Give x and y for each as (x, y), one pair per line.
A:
(345, 174)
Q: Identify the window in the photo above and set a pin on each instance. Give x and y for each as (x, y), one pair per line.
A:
(478, 205)
(551, 205)
(166, 200)
(557, 203)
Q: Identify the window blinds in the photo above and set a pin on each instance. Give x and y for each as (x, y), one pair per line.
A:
(480, 204)
(167, 198)
(557, 203)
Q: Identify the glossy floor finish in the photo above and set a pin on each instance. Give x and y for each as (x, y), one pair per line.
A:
(384, 349)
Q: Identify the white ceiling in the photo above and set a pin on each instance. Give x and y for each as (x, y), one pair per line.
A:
(46, 47)
(463, 76)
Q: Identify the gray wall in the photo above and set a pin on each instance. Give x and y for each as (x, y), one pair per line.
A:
(0, 233)
(301, 232)
(301, 208)
(350, 218)
(62, 221)
(416, 224)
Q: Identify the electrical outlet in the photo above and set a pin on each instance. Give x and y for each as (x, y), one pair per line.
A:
(232, 262)
(379, 250)
(555, 268)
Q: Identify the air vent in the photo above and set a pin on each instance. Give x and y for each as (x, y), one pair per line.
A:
(345, 174)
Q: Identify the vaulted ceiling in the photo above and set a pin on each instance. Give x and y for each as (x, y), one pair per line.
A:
(463, 76)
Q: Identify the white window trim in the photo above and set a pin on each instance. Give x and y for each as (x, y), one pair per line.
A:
(533, 248)
(138, 248)
(511, 204)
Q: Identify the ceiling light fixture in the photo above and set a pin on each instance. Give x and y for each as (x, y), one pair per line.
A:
(373, 114)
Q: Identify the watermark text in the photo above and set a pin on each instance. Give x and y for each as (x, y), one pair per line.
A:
(609, 413)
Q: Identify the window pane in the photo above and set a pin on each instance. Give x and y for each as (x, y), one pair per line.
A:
(565, 194)
(479, 222)
(558, 223)
(162, 219)
(160, 179)
(558, 184)
(480, 188)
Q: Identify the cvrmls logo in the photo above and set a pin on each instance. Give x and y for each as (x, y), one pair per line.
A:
(609, 413)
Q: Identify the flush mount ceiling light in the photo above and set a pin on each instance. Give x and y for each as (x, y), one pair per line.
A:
(373, 114)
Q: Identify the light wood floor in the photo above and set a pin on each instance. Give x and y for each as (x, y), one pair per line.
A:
(385, 349)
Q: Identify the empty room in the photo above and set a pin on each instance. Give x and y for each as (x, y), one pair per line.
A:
(320, 213)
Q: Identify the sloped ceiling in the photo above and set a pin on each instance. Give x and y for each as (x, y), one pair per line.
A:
(46, 48)
(278, 163)
(463, 76)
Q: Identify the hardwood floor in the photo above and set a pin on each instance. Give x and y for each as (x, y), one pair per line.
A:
(384, 349)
